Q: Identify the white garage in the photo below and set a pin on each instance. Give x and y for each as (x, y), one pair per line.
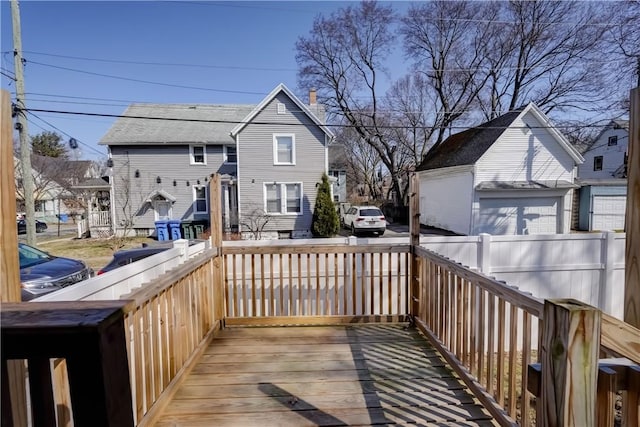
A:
(510, 216)
(607, 212)
(602, 205)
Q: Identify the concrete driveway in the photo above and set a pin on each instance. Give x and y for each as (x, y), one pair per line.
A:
(402, 230)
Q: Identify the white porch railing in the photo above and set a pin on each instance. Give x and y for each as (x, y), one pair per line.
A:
(100, 219)
(121, 281)
(83, 228)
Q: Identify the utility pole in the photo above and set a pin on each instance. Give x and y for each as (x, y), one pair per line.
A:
(21, 125)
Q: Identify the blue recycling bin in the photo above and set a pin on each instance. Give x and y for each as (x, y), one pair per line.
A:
(63, 217)
(162, 230)
(174, 229)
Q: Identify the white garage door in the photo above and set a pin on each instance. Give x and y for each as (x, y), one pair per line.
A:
(608, 212)
(505, 216)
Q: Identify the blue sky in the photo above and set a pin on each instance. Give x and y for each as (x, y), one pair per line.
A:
(244, 50)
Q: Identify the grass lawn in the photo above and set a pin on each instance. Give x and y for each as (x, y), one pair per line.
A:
(95, 252)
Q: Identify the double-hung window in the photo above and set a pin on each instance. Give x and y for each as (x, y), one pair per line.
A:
(200, 204)
(283, 198)
(230, 154)
(284, 149)
(197, 155)
(597, 163)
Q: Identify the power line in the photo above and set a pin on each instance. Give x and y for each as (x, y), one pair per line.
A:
(176, 119)
(180, 106)
(146, 81)
(65, 133)
(7, 75)
(166, 64)
(233, 67)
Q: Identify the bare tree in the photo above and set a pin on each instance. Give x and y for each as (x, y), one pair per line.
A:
(446, 41)
(344, 59)
(50, 178)
(625, 37)
(411, 102)
(128, 203)
(362, 161)
(500, 55)
(255, 222)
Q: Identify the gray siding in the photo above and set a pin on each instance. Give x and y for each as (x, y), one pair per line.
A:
(169, 162)
(256, 162)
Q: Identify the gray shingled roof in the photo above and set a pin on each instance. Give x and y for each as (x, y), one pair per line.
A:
(221, 120)
(465, 148)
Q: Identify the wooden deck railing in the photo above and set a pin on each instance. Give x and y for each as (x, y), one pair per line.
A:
(486, 329)
(90, 337)
(300, 283)
(492, 334)
(168, 325)
(163, 326)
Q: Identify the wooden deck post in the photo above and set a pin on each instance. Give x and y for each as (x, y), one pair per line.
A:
(9, 266)
(215, 210)
(632, 253)
(414, 228)
(215, 222)
(569, 356)
(91, 337)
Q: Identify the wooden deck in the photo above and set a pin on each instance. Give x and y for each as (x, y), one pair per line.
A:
(377, 374)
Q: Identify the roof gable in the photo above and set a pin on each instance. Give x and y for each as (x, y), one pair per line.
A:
(280, 88)
(467, 147)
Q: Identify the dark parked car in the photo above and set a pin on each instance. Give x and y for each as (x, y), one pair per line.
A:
(22, 226)
(127, 256)
(41, 273)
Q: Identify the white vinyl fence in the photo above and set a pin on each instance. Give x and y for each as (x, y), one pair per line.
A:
(585, 266)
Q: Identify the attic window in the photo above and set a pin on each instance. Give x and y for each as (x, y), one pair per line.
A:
(613, 140)
(282, 109)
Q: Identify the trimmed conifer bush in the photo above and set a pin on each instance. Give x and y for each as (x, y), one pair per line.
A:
(325, 218)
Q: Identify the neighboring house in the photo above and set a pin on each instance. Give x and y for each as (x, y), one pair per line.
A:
(270, 157)
(602, 178)
(96, 197)
(338, 171)
(512, 175)
(606, 158)
(53, 180)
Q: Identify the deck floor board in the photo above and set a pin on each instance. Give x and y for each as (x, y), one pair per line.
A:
(380, 374)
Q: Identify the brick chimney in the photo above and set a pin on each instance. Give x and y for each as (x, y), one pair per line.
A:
(312, 97)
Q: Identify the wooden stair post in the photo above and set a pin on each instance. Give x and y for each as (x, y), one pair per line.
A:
(414, 229)
(569, 356)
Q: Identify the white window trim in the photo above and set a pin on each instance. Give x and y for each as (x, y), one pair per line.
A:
(293, 148)
(155, 209)
(206, 199)
(192, 156)
(283, 199)
(226, 155)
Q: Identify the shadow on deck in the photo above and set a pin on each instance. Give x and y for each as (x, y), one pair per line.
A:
(322, 375)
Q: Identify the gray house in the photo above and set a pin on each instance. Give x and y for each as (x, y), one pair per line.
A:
(270, 157)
